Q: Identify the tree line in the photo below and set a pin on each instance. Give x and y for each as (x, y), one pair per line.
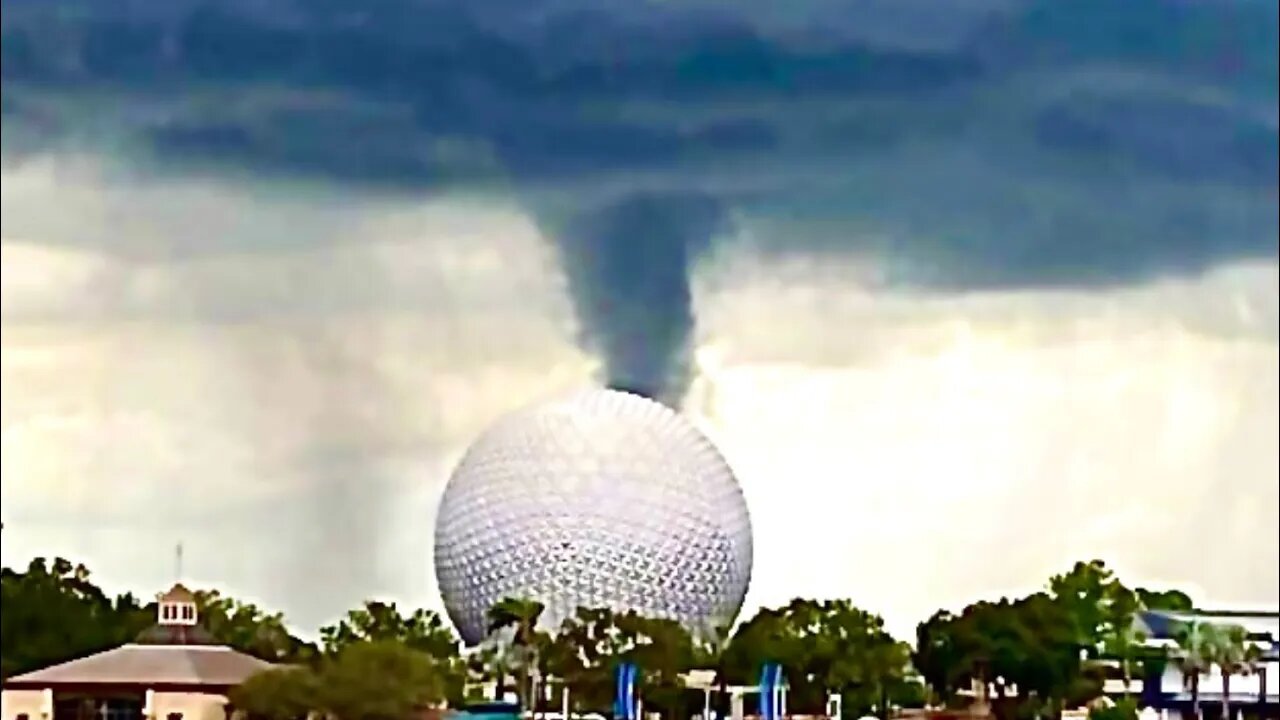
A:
(1040, 653)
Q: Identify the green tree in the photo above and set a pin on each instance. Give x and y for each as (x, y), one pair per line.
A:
(558, 659)
(278, 694)
(939, 655)
(1173, 600)
(1255, 664)
(250, 630)
(1197, 647)
(980, 646)
(1052, 667)
(1232, 655)
(1101, 608)
(664, 651)
(587, 648)
(422, 630)
(53, 612)
(769, 636)
(862, 661)
(521, 615)
(592, 646)
(1105, 614)
(378, 680)
(485, 662)
(1031, 643)
(828, 646)
(1121, 637)
(876, 673)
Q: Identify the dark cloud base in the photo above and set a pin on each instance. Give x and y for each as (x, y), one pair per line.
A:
(433, 94)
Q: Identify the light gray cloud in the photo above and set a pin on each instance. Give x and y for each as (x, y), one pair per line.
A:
(265, 405)
(295, 432)
(941, 450)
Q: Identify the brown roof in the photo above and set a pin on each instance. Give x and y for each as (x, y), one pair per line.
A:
(178, 594)
(216, 666)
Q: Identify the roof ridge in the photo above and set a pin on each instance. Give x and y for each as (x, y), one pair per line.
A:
(62, 664)
(1240, 613)
(176, 646)
(192, 670)
(1258, 614)
(151, 663)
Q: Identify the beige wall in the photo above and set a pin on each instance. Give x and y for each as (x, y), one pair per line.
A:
(193, 706)
(21, 702)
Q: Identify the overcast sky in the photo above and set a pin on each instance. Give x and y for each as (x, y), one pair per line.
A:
(964, 291)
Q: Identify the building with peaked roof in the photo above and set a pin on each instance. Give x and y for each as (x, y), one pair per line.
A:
(175, 670)
(1256, 692)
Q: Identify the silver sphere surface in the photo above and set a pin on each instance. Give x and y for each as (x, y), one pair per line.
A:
(599, 499)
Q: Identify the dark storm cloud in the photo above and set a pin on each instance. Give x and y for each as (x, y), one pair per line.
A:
(430, 94)
(400, 93)
(780, 117)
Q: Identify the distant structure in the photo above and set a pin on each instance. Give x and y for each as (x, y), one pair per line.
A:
(1165, 693)
(177, 624)
(175, 670)
(599, 499)
(1255, 693)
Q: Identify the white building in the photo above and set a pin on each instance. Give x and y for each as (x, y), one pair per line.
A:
(175, 671)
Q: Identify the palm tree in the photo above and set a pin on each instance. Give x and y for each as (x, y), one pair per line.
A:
(1253, 664)
(1261, 669)
(1122, 643)
(1256, 664)
(1231, 653)
(887, 665)
(522, 614)
(488, 662)
(1197, 646)
(1123, 634)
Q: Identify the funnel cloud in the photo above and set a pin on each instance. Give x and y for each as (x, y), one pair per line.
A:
(628, 264)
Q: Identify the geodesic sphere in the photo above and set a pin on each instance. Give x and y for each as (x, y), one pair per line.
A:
(598, 499)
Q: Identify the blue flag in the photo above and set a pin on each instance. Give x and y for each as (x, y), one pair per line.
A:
(770, 681)
(624, 699)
